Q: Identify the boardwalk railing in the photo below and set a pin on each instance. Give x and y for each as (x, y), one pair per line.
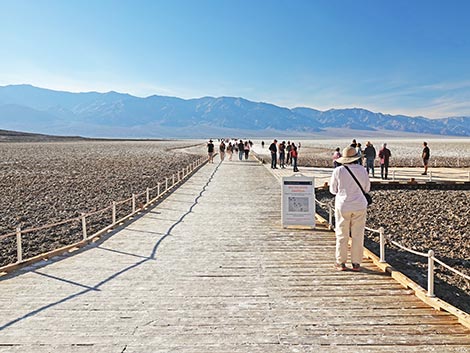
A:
(430, 255)
(409, 174)
(132, 203)
(386, 238)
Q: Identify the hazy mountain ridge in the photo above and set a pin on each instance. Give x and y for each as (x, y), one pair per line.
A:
(112, 114)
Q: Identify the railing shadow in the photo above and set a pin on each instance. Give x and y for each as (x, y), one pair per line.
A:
(96, 287)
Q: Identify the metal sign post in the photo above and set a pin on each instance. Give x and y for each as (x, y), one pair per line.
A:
(298, 201)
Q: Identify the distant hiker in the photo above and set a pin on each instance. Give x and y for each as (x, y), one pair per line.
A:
(288, 156)
(273, 149)
(210, 151)
(294, 154)
(246, 149)
(241, 150)
(230, 151)
(336, 155)
(359, 152)
(262, 144)
(384, 155)
(353, 143)
(350, 208)
(222, 150)
(282, 154)
(370, 155)
(425, 155)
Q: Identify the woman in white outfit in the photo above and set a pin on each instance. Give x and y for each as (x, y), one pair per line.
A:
(350, 208)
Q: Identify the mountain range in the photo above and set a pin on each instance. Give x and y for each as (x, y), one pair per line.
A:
(32, 109)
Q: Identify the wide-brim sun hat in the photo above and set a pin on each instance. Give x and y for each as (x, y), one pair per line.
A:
(349, 155)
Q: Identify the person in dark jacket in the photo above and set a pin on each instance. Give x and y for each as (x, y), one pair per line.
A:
(273, 149)
(384, 155)
(241, 150)
(370, 154)
(210, 151)
(425, 155)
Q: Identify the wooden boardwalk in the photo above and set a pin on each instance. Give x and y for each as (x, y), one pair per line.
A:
(211, 270)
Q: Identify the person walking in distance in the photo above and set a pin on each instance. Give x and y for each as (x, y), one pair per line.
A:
(210, 151)
(360, 153)
(241, 150)
(384, 155)
(246, 149)
(288, 156)
(273, 149)
(350, 208)
(294, 154)
(222, 150)
(230, 151)
(336, 155)
(282, 154)
(425, 155)
(370, 154)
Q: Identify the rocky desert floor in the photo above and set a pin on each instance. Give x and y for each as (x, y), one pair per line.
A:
(44, 183)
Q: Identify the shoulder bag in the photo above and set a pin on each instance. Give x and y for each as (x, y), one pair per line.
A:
(366, 195)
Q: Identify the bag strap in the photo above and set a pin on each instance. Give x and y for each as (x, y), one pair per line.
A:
(354, 177)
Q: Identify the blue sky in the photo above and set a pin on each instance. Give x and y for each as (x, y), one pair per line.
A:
(398, 56)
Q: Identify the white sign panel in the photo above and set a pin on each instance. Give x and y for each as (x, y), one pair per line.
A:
(298, 201)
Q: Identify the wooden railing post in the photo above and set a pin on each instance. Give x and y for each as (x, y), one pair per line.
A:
(148, 195)
(173, 183)
(158, 190)
(114, 212)
(133, 203)
(84, 226)
(382, 244)
(430, 274)
(19, 245)
(166, 184)
(330, 217)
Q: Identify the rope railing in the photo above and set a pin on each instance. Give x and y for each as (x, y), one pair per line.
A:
(430, 255)
(161, 188)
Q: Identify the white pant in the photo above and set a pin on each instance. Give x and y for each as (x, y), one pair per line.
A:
(352, 223)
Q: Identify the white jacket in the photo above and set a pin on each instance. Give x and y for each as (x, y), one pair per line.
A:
(349, 196)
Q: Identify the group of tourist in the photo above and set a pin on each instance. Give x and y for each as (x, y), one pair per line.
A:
(229, 147)
(367, 157)
(349, 182)
(288, 154)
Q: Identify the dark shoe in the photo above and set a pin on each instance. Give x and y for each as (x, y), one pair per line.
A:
(424, 173)
(356, 267)
(340, 267)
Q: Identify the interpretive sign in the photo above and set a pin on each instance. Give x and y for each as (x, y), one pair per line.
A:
(298, 201)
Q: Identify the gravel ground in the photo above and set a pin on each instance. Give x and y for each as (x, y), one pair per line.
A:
(44, 183)
(423, 220)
